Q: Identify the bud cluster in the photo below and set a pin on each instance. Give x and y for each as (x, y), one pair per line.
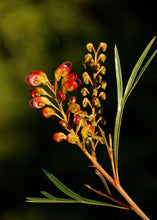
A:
(95, 94)
(82, 126)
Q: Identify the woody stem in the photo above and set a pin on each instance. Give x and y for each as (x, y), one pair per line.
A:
(117, 186)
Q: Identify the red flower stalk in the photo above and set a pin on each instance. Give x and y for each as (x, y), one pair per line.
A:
(62, 70)
(39, 102)
(36, 78)
(59, 136)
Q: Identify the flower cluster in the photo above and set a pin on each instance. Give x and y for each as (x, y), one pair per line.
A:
(64, 81)
(82, 126)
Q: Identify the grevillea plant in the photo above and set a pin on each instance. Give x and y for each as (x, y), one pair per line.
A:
(82, 125)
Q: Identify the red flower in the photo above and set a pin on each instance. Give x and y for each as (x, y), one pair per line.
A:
(87, 131)
(36, 78)
(59, 136)
(71, 85)
(38, 91)
(61, 96)
(72, 138)
(77, 119)
(62, 70)
(48, 112)
(72, 76)
(39, 102)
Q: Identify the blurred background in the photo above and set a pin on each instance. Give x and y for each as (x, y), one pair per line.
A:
(36, 34)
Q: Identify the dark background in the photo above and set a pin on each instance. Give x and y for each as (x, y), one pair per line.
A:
(41, 35)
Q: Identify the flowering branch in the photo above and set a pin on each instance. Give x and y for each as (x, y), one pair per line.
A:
(84, 128)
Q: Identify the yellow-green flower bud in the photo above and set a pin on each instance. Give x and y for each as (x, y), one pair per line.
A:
(85, 102)
(99, 79)
(95, 92)
(102, 58)
(89, 47)
(86, 78)
(72, 138)
(91, 118)
(88, 58)
(96, 102)
(103, 46)
(84, 91)
(87, 131)
(103, 70)
(102, 95)
(74, 108)
(103, 85)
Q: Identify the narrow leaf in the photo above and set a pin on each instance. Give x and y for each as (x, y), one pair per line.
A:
(61, 186)
(141, 73)
(117, 128)
(118, 77)
(133, 80)
(61, 200)
(52, 199)
(45, 200)
(137, 67)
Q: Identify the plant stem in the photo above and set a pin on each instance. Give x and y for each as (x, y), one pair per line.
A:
(117, 186)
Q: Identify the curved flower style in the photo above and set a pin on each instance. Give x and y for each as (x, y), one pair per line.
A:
(59, 136)
(39, 102)
(71, 85)
(48, 112)
(62, 70)
(38, 91)
(36, 78)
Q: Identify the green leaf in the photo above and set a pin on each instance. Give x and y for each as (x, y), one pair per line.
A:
(61, 186)
(137, 67)
(117, 128)
(45, 200)
(141, 73)
(118, 77)
(133, 80)
(77, 199)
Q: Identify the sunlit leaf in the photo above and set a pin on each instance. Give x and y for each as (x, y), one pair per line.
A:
(118, 77)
